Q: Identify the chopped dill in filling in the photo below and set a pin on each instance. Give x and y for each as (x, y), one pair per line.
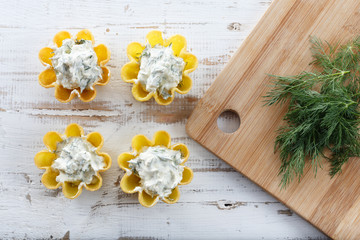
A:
(160, 70)
(75, 64)
(159, 169)
(77, 161)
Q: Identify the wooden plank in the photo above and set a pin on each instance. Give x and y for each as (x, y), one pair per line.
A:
(279, 45)
(220, 202)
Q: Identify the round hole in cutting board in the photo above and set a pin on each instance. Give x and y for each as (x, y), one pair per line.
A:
(228, 121)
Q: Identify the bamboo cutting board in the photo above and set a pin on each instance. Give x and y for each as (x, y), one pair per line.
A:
(279, 45)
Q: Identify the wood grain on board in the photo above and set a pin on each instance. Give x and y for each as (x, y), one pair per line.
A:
(279, 45)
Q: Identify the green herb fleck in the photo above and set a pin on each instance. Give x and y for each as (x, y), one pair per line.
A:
(81, 41)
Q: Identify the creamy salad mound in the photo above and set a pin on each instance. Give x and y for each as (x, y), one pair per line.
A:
(75, 64)
(159, 169)
(160, 70)
(77, 161)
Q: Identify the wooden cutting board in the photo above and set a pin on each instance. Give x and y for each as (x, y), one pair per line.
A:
(279, 45)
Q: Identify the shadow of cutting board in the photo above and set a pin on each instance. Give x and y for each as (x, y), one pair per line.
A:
(279, 45)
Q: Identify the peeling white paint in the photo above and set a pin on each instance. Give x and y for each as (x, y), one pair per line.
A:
(219, 203)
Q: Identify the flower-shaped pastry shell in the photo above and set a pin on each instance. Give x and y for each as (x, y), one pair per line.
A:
(44, 159)
(129, 72)
(130, 182)
(47, 78)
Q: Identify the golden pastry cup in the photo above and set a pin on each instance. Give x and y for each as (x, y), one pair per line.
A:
(47, 78)
(44, 159)
(130, 70)
(130, 182)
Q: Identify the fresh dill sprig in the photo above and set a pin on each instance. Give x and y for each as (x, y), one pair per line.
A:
(323, 110)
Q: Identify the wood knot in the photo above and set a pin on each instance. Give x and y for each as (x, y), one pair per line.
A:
(235, 26)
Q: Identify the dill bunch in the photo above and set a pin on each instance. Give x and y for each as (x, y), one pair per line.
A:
(323, 110)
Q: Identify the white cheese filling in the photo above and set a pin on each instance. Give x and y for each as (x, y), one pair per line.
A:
(75, 64)
(77, 161)
(159, 169)
(160, 69)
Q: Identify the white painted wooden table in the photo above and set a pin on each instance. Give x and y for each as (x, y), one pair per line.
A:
(219, 204)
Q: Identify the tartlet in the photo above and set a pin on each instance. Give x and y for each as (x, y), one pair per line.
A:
(45, 159)
(48, 78)
(131, 183)
(129, 71)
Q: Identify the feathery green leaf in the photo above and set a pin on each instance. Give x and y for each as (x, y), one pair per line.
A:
(323, 110)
